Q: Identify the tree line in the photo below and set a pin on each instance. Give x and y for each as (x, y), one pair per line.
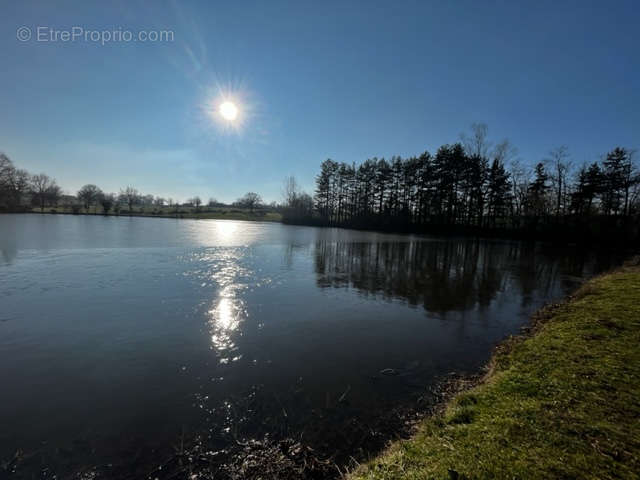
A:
(20, 191)
(472, 185)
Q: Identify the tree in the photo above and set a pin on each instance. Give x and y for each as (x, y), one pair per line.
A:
(44, 190)
(474, 180)
(476, 144)
(129, 196)
(505, 152)
(537, 194)
(14, 184)
(289, 190)
(212, 202)
(559, 165)
(498, 190)
(19, 186)
(5, 166)
(619, 179)
(107, 201)
(324, 188)
(520, 179)
(89, 196)
(197, 202)
(53, 194)
(298, 205)
(588, 185)
(6, 173)
(250, 200)
(172, 205)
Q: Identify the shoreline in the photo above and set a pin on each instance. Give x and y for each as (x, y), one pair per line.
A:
(270, 217)
(440, 448)
(582, 239)
(289, 459)
(276, 217)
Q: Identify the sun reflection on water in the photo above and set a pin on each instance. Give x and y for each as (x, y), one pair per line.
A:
(226, 230)
(224, 319)
(227, 273)
(224, 268)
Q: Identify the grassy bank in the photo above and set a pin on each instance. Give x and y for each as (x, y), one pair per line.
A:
(218, 213)
(563, 403)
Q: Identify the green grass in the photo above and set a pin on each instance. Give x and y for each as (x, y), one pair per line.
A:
(220, 213)
(564, 403)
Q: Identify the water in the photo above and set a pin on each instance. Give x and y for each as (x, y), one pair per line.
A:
(115, 331)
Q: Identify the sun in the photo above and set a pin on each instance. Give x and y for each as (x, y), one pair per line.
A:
(228, 110)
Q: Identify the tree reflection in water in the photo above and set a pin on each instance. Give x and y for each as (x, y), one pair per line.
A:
(452, 275)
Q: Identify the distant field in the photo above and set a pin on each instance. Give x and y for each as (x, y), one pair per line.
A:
(220, 213)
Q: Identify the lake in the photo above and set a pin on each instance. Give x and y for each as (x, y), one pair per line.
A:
(118, 332)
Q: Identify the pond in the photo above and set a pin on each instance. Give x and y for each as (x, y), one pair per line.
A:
(120, 334)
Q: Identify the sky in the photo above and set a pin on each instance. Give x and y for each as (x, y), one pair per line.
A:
(312, 80)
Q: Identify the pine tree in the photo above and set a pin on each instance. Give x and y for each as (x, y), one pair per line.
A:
(499, 195)
(537, 194)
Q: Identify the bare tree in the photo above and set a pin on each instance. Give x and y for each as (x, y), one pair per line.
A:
(14, 183)
(290, 190)
(520, 179)
(559, 165)
(129, 196)
(250, 200)
(504, 152)
(54, 192)
(631, 181)
(89, 195)
(19, 184)
(477, 144)
(6, 171)
(44, 190)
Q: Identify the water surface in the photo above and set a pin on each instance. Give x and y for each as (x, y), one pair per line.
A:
(136, 329)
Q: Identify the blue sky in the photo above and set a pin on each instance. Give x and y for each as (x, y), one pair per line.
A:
(346, 80)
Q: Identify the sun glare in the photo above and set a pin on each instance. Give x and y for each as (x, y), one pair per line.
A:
(228, 110)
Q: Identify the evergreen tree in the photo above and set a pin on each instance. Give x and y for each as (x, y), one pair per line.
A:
(537, 194)
(617, 181)
(499, 195)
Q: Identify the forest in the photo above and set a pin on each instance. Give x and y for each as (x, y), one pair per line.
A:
(471, 186)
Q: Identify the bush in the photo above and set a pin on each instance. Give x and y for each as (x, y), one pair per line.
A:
(75, 209)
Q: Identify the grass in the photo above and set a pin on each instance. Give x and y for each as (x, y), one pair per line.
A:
(563, 403)
(220, 213)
